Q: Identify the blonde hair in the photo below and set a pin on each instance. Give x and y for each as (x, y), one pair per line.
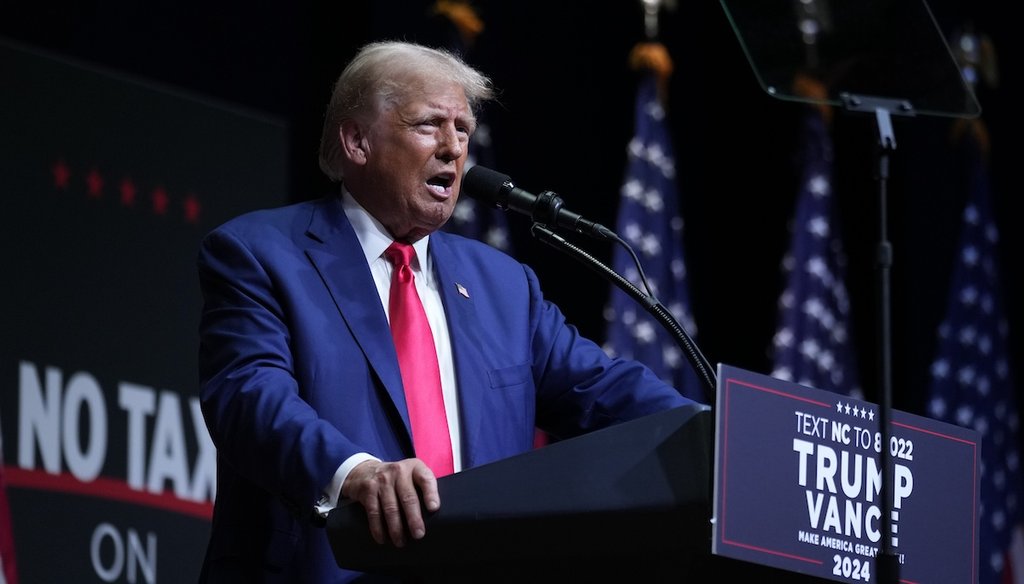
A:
(379, 73)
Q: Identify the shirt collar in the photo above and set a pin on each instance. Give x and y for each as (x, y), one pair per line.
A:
(374, 238)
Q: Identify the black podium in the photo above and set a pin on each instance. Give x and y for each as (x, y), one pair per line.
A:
(629, 503)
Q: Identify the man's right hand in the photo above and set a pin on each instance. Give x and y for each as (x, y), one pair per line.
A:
(390, 492)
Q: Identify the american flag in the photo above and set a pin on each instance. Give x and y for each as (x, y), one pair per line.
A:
(488, 224)
(649, 220)
(813, 343)
(972, 381)
(8, 566)
(471, 218)
(460, 24)
(484, 223)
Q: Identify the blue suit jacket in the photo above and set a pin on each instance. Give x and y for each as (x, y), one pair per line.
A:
(298, 372)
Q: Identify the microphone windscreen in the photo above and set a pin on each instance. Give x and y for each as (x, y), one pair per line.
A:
(486, 185)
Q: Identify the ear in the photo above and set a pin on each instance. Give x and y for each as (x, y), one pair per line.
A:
(353, 141)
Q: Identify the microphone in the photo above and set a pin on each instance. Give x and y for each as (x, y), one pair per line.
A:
(498, 190)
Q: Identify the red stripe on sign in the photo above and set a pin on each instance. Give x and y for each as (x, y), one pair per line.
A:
(104, 488)
(8, 561)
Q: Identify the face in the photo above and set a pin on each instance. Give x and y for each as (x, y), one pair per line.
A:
(410, 169)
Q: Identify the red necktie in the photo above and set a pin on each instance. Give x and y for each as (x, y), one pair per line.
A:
(417, 361)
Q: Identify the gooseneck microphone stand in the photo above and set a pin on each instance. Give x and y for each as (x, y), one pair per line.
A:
(547, 212)
(648, 301)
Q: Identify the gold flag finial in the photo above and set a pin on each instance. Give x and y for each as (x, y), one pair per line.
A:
(654, 57)
(463, 16)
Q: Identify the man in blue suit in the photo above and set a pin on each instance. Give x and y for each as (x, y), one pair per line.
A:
(301, 386)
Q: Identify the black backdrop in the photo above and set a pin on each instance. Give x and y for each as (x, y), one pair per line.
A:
(566, 115)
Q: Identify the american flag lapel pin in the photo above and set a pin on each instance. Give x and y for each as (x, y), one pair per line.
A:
(462, 290)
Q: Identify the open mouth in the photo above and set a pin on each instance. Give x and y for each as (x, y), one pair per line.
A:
(441, 184)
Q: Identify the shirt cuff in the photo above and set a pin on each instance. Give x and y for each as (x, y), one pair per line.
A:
(332, 492)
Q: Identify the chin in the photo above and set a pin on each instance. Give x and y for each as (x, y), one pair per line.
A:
(439, 215)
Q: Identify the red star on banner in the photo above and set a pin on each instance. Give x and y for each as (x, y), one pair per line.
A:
(127, 192)
(160, 200)
(192, 208)
(61, 174)
(94, 184)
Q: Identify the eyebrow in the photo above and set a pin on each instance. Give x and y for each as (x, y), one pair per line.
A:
(432, 110)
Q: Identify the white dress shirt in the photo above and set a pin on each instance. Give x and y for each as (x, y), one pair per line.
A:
(374, 240)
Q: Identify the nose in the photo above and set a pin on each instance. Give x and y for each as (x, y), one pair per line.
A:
(451, 146)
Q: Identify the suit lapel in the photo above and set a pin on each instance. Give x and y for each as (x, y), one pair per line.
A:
(463, 328)
(335, 253)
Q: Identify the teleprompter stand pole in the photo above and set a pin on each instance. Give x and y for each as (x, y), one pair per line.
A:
(887, 561)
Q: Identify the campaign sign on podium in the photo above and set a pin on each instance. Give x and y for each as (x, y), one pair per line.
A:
(798, 484)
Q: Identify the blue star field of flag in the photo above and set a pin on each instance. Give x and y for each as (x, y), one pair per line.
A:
(649, 220)
(813, 343)
(459, 26)
(972, 381)
(471, 218)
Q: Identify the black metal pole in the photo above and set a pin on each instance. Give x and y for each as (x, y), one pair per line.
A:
(888, 561)
(887, 565)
